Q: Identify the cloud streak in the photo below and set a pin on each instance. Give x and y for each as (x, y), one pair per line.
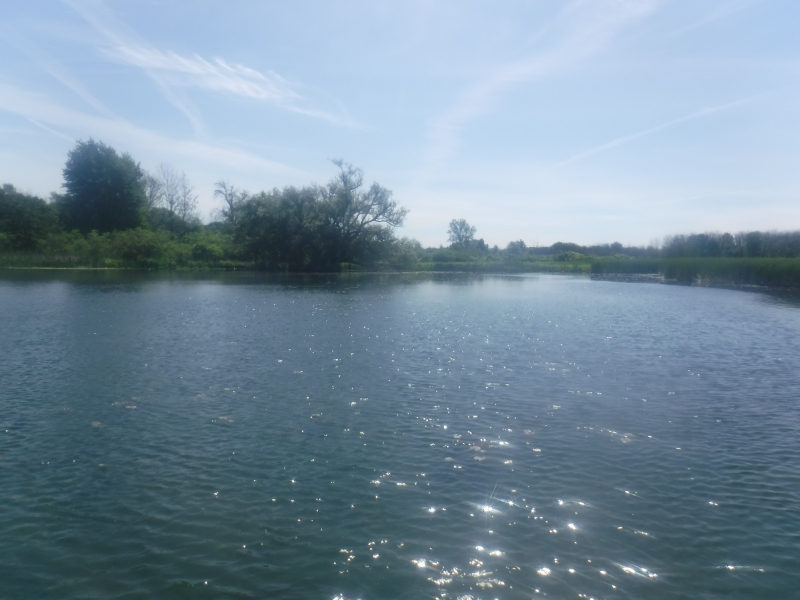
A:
(721, 13)
(220, 76)
(58, 119)
(583, 29)
(52, 67)
(706, 112)
(216, 75)
(171, 70)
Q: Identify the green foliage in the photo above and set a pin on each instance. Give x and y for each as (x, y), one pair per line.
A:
(774, 272)
(117, 216)
(320, 228)
(132, 248)
(24, 220)
(516, 248)
(460, 233)
(753, 244)
(279, 230)
(473, 250)
(232, 199)
(597, 250)
(503, 265)
(626, 266)
(105, 190)
(355, 220)
(563, 256)
(160, 218)
(479, 258)
(404, 253)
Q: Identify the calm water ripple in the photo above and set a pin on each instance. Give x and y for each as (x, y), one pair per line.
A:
(396, 437)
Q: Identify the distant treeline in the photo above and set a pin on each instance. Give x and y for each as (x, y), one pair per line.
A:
(754, 244)
(112, 213)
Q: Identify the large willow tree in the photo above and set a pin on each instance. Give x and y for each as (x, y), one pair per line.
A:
(319, 228)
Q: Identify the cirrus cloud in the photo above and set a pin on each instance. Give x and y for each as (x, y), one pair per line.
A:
(217, 75)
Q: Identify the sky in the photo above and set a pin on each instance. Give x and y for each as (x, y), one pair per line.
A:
(589, 121)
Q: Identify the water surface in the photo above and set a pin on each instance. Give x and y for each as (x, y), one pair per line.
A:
(396, 437)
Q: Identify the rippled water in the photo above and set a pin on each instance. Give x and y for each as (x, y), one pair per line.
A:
(387, 437)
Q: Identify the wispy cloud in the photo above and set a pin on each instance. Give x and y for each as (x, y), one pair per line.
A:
(171, 70)
(71, 124)
(216, 75)
(718, 14)
(706, 112)
(50, 130)
(220, 76)
(51, 66)
(583, 29)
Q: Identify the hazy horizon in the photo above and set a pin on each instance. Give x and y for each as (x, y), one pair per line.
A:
(585, 122)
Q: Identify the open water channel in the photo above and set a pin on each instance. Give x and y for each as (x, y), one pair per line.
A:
(239, 436)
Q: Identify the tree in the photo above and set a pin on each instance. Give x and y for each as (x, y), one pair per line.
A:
(104, 190)
(170, 182)
(517, 247)
(177, 202)
(280, 229)
(404, 252)
(727, 245)
(753, 243)
(232, 198)
(25, 220)
(318, 228)
(460, 233)
(153, 191)
(353, 215)
(187, 200)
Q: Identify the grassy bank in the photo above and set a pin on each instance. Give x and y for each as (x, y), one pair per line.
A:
(134, 248)
(770, 272)
(27, 260)
(503, 266)
(142, 249)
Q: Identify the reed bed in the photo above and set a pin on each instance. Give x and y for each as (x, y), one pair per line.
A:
(769, 272)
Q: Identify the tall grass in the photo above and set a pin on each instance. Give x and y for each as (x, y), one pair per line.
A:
(772, 272)
(133, 248)
(609, 266)
(504, 266)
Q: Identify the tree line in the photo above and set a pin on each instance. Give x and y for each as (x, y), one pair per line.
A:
(118, 208)
(104, 192)
(753, 244)
(114, 213)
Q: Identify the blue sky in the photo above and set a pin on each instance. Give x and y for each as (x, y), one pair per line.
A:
(586, 121)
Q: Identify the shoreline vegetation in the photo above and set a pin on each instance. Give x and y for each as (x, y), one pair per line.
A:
(772, 273)
(114, 215)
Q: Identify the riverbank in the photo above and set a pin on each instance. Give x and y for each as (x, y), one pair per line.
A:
(214, 252)
(776, 273)
(504, 265)
(773, 273)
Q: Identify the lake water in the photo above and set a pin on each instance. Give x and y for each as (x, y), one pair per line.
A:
(396, 437)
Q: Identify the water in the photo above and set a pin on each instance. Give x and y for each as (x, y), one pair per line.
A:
(388, 437)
